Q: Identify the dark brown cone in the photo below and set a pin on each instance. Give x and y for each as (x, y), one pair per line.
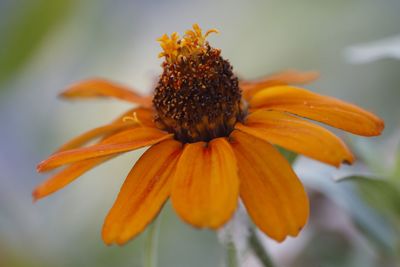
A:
(198, 98)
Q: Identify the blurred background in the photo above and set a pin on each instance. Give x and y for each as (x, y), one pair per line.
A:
(46, 45)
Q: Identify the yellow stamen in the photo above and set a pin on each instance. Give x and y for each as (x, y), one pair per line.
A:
(133, 119)
(192, 43)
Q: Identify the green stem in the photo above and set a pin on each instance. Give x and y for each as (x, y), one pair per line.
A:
(151, 243)
(231, 255)
(259, 249)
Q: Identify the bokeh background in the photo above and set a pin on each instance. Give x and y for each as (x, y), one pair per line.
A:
(46, 45)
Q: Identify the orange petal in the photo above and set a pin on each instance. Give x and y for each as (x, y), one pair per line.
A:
(328, 110)
(66, 176)
(273, 195)
(144, 117)
(144, 192)
(103, 88)
(298, 135)
(94, 133)
(250, 88)
(206, 184)
(124, 141)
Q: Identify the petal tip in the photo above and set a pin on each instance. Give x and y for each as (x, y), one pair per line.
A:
(122, 241)
(35, 196)
(107, 239)
(110, 238)
(38, 193)
(108, 243)
(376, 128)
(39, 167)
(280, 239)
(43, 166)
(348, 161)
(63, 94)
(380, 126)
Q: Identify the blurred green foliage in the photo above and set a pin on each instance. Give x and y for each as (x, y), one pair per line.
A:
(381, 194)
(289, 155)
(382, 199)
(379, 197)
(22, 34)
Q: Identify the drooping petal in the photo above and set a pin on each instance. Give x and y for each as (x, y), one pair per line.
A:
(122, 142)
(298, 135)
(94, 133)
(328, 110)
(250, 88)
(205, 186)
(273, 195)
(66, 176)
(133, 118)
(103, 88)
(143, 193)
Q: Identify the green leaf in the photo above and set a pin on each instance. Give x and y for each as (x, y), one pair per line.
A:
(380, 194)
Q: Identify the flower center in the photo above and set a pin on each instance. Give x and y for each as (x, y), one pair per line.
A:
(197, 97)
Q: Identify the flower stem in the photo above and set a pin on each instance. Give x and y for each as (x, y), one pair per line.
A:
(231, 255)
(151, 243)
(259, 249)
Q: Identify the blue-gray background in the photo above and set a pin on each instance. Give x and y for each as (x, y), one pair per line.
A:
(46, 45)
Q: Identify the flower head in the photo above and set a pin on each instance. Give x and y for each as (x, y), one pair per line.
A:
(197, 97)
(212, 142)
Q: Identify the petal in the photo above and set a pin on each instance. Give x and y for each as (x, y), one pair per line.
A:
(205, 186)
(144, 117)
(66, 176)
(103, 88)
(298, 135)
(143, 193)
(250, 88)
(273, 195)
(124, 141)
(328, 110)
(94, 133)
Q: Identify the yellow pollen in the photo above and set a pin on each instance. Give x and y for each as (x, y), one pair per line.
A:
(193, 43)
(133, 119)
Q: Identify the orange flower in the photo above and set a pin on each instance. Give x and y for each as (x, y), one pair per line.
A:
(211, 141)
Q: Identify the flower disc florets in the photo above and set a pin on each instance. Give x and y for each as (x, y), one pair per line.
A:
(197, 97)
